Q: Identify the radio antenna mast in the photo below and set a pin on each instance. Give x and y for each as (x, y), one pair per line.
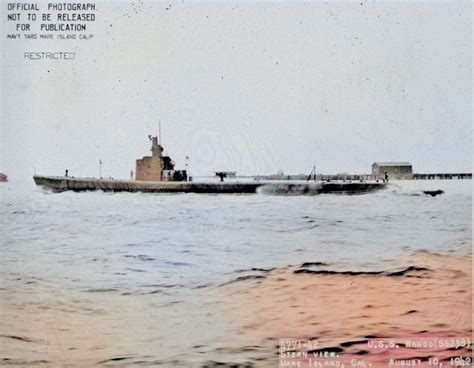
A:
(159, 131)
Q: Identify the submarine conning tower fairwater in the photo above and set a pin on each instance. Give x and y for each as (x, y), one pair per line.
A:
(158, 167)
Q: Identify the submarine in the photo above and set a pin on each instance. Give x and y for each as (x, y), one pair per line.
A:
(157, 174)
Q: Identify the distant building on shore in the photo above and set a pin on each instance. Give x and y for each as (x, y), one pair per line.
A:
(158, 167)
(394, 170)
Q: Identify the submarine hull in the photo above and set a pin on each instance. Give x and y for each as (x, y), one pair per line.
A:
(61, 184)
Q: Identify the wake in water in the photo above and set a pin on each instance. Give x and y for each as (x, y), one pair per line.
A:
(290, 189)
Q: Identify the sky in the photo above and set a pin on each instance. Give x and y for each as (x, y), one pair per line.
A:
(252, 87)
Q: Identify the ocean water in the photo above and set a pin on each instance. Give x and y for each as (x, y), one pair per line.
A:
(143, 262)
